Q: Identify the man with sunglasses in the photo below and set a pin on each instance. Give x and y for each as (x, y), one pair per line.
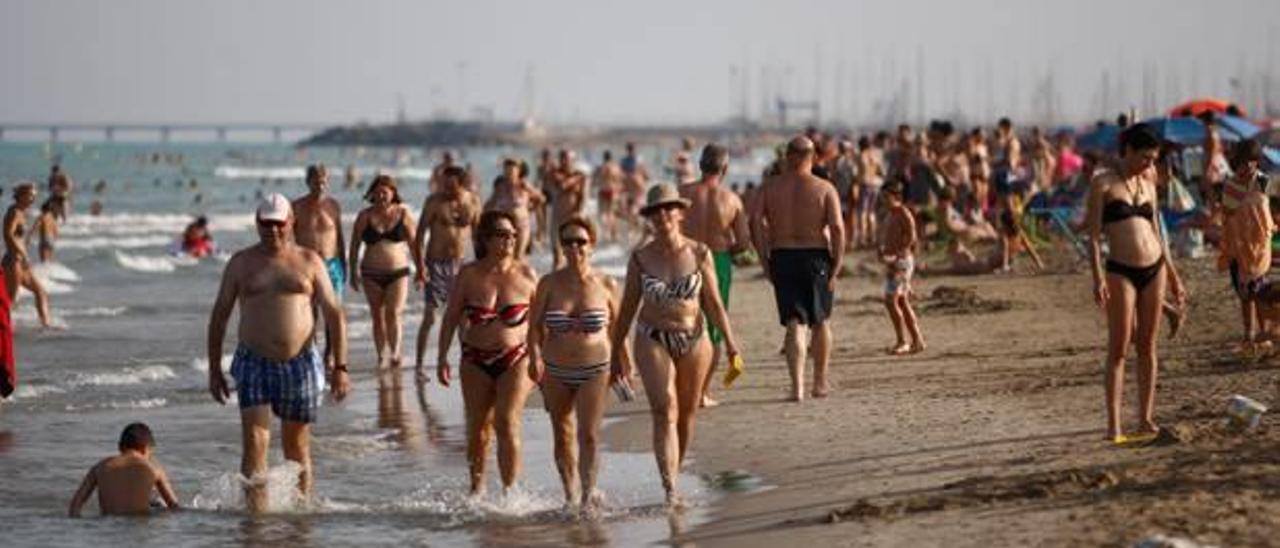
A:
(716, 218)
(276, 367)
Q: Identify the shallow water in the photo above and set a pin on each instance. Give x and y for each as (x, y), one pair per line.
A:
(389, 465)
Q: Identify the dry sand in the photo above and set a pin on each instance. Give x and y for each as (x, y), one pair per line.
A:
(994, 436)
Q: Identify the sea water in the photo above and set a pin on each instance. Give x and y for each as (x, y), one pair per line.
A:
(389, 462)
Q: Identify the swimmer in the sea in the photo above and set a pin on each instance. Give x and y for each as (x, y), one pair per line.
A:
(124, 482)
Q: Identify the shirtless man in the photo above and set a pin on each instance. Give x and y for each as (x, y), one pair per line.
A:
(570, 186)
(897, 253)
(512, 194)
(60, 187)
(716, 218)
(1006, 157)
(124, 482)
(276, 366)
(870, 169)
(450, 215)
(437, 172)
(635, 182)
(608, 182)
(799, 235)
(543, 175)
(318, 227)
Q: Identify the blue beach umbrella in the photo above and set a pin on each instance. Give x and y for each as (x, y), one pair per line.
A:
(1235, 126)
(1101, 138)
(1181, 130)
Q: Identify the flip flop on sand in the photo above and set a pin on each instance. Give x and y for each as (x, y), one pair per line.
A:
(900, 350)
(1136, 439)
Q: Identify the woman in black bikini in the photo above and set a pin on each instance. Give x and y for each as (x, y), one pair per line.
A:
(676, 279)
(569, 343)
(1122, 206)
(386, 230)
(16, 262)
(490, 302)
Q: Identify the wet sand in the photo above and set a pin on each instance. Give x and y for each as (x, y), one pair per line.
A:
(994, 436)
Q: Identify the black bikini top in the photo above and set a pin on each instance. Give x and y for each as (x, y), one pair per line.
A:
(1119, 210)
(397, 233)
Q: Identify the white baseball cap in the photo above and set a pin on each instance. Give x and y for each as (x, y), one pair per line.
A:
(274, 207)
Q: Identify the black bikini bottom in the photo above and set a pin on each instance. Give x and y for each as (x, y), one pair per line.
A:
(1139, 276)
(384, 279)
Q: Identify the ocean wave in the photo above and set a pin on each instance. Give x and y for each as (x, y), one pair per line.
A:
(132, 242)
(128, 375)
(170, 224)
(202, 364)
(27, 316)
(299, 172)
(95, 312)
(154, 263)
(56, 271)
(32, 391)
(150, 403)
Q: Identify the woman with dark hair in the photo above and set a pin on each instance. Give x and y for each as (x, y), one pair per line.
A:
(386, 230)
(569, 351)
(490, 303)
(671, 279)
(16, 263)
(1122, 208)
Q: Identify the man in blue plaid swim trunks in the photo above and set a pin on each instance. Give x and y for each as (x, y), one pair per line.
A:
(276, 367)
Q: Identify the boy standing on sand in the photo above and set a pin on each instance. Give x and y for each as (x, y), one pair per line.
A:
(896, 252)
(124, 482)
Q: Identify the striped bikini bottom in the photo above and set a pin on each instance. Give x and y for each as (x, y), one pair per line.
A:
(573, 377)
(677, 342)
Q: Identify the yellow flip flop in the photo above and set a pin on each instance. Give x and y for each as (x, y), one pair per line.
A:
(1140, 438)
(734, 371)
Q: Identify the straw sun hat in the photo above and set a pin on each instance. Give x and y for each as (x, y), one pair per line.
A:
(662, 195)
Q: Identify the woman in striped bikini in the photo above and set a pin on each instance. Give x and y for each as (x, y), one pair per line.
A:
(670, 280)
(490, 304)
(569, 354)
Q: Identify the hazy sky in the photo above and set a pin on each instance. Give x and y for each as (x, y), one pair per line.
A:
(645, 61)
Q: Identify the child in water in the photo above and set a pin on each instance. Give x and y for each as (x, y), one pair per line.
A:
(125, 481)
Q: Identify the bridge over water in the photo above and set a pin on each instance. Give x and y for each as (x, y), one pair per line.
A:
(164, 132)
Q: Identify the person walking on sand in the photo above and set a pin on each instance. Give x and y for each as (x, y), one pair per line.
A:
(608, 182)
(450, 215)
(276, 366)
(671, 279)
(800, 238)
(318, 227)
(16, 262)
(126, 481)
(569, 351)
(1123, 209)
(717, 219)
(897, 252)
(1246, 236)
(386, 230)
(490, 302)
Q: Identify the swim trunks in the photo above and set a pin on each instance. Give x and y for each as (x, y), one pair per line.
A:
(800, 284)
(292, 388)
(724, 279)
(441, 273)
(337, 274)
(897, 279)
(867, 198)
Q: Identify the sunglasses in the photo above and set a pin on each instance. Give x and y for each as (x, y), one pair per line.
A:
(574, 242)
(270, 224)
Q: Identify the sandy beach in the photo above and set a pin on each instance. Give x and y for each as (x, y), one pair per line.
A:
(994, 436)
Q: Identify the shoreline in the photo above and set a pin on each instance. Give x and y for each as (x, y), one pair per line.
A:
(993, 436)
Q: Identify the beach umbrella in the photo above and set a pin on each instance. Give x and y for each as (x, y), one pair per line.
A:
(1195, 107)
(1181, 130)
(1241, 128)
(1101, 138)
